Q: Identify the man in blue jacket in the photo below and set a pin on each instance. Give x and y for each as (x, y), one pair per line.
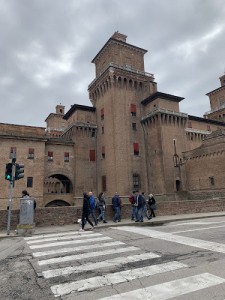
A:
(92, 207)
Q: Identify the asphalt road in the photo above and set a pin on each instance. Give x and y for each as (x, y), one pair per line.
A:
(177, 260)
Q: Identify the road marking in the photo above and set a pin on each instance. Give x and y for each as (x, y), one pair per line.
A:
(76, 249)
(171, 289)
(198, 229)
(86, 255)
(215, 247)
(114, 278)
(56, 234)
(98, 265)
(104, 238)
(62, 238)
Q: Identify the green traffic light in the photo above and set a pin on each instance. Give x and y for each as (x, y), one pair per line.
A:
(8, 177)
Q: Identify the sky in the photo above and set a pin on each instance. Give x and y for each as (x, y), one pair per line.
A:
(47, 47)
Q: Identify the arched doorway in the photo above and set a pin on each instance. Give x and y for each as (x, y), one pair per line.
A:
(58, 184)
(56, 203)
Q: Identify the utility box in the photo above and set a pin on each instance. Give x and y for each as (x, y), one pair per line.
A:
(26, 224)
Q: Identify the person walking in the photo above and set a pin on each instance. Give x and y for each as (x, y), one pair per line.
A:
(152, 205)
(86, 212)
(116, 207)
(92, 207)
(139, 203)
(102, 207)
(133, 207)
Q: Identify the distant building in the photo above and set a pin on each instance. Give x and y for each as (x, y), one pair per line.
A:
(133, 137)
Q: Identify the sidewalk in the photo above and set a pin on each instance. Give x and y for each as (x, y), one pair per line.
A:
(153, 222)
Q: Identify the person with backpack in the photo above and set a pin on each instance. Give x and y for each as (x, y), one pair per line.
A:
(116, 203)
(92, 207)
(133, 207)
(102, 207)
(139, 203)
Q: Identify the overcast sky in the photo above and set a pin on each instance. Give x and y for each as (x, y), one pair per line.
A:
(46, 48)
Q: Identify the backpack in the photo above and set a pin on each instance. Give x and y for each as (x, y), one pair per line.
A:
(132, 200)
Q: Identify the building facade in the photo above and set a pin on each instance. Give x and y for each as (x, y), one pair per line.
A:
(132, 137)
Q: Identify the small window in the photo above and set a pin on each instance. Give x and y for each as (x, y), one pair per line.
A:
(66, 157)
(211, 181)
(189, 124)
(103, 130)
(136, 148)
(30, 153)
(29, 182)
(103, 183)
(134, 126)
(12, 153)
(93, 133)
(102, 114)
(133, 110)
(50, 156)
(136, 182)
(92, 155)
(103, 151)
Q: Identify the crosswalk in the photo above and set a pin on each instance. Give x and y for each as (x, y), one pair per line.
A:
(97, 261)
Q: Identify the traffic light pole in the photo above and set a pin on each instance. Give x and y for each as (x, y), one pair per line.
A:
(10, 196)
(10, 208)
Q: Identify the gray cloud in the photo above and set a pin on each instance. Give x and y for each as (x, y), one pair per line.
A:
(47, 47)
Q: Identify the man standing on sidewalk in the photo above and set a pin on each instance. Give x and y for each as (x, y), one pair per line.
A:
(116, 207)
(139, 203)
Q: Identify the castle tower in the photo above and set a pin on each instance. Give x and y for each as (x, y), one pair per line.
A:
(120, 84)
(217, 102)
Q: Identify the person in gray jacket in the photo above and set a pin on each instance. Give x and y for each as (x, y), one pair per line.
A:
(102, 207)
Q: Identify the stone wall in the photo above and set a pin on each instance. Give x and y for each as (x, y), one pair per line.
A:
(49, 216)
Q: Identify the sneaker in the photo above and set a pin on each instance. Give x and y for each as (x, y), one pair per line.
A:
(104, 221)
(137, 221)
(141, 221)
(81, 230)
(92, 228)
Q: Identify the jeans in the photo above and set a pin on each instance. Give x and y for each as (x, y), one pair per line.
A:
(85, 218)
(117, 213)
(133, 212)
(102, 214)
(93, 215)
(139, 211)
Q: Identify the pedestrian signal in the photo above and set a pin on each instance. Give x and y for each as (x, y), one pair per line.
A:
(19, 171)
(8, 171)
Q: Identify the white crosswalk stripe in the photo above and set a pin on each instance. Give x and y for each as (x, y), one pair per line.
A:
(44, 236)
(118, 261)
(85, 255)
(114, 278)
(171, 289)
(61, 238)
(76, 249)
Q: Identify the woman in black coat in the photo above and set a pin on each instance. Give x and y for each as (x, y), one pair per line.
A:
(86, 212)
(152, 205)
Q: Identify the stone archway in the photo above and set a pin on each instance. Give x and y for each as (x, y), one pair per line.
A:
(58, 184)
(56, 203)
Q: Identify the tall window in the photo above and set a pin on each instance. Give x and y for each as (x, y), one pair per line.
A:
(102, 129)
(103, 151)
(103, 183)
(29, 182)
(30, 153)
(136, 182)
(134, 126)
(136, 148)
(102, 114)
(50, 156)
(12, 152)
(92, 155)
(133, 110)
(66, 156)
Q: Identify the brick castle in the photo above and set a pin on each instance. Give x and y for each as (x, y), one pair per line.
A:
(132, 137)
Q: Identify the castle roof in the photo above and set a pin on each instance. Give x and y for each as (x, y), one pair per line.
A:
(162, 96)
(76, 107)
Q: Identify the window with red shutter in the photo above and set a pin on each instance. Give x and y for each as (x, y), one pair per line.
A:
(66, 156)
(136, 148)
(50, 156)
(30, 153)
(133, 110)
(92, 155)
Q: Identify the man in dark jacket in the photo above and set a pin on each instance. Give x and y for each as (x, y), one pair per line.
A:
(116, 207)
(86, 212)
(139, 203)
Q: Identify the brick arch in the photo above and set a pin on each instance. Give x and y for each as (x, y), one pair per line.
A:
(57, 183)
(57, 202)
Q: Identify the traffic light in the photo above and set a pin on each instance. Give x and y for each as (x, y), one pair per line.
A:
(8, 171)
(19, 171)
